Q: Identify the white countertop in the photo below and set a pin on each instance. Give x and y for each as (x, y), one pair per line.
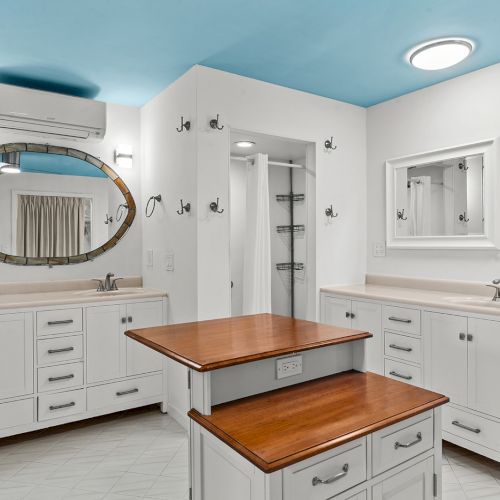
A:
(439, 299)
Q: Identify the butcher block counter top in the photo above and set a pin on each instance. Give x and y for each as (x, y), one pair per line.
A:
(210, 345)
(282, 427)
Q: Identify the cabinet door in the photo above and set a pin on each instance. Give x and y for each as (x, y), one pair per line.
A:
(16, 355)
(414, 483)
(367, 316)
(142, 359)
(446, 356)
(336, 312)
(105, 343)
(484, 368)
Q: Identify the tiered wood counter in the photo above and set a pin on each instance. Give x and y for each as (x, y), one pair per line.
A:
(331, 432)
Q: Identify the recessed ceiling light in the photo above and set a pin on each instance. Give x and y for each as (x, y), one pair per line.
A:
(440, 54)
(245, 144)
(6, 168)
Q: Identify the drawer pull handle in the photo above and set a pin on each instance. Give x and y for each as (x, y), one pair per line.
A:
(466, 427)
(345, 469)
(60, 407)
(64, 349)
(62, 377)
(60, 322)
(399, 320)
(397, 444)
(400, 375)
(400, 348)
(130, 391)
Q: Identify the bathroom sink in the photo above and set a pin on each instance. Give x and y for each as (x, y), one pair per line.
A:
(112, 293)
(474, 301)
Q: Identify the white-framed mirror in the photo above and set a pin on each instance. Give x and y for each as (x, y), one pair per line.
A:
(444, 199)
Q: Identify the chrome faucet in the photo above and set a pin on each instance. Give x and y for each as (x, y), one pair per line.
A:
(496, 286)
(108, 284)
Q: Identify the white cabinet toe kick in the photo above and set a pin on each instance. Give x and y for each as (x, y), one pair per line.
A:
(60, 364)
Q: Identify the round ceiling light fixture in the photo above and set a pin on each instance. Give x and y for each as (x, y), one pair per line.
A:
(245, 144)
(440, 54)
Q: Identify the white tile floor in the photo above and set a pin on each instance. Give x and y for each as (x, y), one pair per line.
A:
(144, 454)
(138, 455)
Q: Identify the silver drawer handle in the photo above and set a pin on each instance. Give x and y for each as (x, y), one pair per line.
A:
(397, 444)
(345, 469)
(62, 377)
(64, 349)
(60, 322)
(399, 320)
(59, 407)
(399, 348)
(466, 427)
(400, 375)
(130, 391)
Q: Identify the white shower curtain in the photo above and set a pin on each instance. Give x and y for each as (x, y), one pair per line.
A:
(420, 206)
(257, 252)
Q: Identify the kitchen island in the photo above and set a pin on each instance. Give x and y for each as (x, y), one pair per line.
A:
(282, 409)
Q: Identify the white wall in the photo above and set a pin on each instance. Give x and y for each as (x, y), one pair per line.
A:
(459, 111)
(123, 124)
(247, 104)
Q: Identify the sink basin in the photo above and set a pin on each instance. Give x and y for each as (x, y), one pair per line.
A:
(112, 293)
(474, 301)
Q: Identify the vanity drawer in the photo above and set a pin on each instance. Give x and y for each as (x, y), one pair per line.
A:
(345, 469)
(401, 319)
(403, 372)
(468, 426)
(52, 378)
(61, 404)
(59, 321)
(400, 442)
(116, 393)
(403, 347)
(56, 350)
(16, 413)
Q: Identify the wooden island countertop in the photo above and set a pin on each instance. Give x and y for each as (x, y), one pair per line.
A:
(282, 427)
(210, 345)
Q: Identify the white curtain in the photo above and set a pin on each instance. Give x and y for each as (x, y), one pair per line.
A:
(50, 226)
(420, 206)
(257, 251)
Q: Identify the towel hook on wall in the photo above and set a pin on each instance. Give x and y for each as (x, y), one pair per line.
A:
(463, 166)
(184, 208)
(400, 215)
(108, 220)
(153, 199)
(184, 125)
(463, 217)
(214, 206)
(329, 212)
(329, 146)
(214, 123)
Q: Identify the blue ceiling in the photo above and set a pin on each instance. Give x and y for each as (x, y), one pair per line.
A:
(127, 51)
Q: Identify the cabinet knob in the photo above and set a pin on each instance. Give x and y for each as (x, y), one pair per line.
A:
(353, 315)
(130, 319)
(461, 336)
(124, 320)
(347, 314)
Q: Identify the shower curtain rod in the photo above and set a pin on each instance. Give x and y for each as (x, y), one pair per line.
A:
(272, 163)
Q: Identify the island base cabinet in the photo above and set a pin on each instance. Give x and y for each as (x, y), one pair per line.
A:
(414, 483)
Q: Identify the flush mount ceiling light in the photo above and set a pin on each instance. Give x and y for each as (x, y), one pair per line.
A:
(440, 54)
(245, 144)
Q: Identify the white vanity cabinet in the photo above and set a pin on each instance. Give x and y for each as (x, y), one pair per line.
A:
(62, 363)
(359, 315)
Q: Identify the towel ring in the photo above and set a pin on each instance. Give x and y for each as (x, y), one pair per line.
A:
(120, 211)
(153, 199)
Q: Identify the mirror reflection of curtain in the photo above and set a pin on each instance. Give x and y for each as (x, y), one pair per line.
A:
(50, 226)
(420, 206)
(257, 251)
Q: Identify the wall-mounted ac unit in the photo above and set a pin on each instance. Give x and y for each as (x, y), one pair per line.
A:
(49, 114)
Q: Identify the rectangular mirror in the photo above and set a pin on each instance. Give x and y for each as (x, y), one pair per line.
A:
(440, 199)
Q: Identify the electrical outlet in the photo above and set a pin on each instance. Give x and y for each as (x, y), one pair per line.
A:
(288, 367)
(379, 249)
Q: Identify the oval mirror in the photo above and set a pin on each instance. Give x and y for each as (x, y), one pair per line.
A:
(59, 205)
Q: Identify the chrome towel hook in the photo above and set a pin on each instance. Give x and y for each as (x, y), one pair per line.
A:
(184, 125)
(108, 220)
(153, 199)
(214, 206)
(184, 208)
(329, 212)
(329, 146)
(400, 215)
(214, 123)
(463, 217)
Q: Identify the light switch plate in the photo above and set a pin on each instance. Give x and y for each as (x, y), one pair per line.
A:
(169, 261)
(288, 367)
(149, 258)
(379, 249)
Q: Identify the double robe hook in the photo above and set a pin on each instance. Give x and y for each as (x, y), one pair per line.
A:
(184, 208)
(184, 125)
(329, 146)
(214, 123)
(329, 212)
(400, 215)
(214, 206)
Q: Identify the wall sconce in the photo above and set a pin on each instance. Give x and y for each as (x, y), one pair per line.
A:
(123, 156)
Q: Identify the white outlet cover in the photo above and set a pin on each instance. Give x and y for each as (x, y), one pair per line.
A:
(379, 249)
(289, 367)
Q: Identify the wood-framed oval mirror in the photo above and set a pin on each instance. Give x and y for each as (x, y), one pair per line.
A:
(59, 205)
